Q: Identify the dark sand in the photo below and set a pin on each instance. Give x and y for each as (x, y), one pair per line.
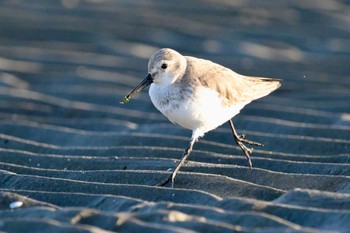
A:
(73, 160)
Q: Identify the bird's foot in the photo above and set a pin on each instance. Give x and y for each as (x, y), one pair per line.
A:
(242, 139)
(170, 178)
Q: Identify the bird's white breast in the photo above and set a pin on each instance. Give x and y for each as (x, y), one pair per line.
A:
(200, 110)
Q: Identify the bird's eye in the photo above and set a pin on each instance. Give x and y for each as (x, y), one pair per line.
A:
(164, 66)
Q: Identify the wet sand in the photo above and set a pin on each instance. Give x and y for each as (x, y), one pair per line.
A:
(72, 159)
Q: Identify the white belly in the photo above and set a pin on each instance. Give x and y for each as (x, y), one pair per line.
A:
(201, 111)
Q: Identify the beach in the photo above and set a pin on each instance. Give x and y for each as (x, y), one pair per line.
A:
(73, 159)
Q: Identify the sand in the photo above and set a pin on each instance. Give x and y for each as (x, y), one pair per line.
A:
(72, 159)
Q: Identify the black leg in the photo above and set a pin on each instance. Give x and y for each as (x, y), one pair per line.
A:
(240, 139)
(172, 176)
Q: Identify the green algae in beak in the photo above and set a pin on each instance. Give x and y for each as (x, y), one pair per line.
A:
(145, 83)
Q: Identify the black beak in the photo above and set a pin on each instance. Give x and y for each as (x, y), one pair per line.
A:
(146, 82)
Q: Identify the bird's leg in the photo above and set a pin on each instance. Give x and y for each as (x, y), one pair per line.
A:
(172, 176)
(240, 139)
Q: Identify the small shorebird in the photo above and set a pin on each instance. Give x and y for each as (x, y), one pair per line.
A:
(200, 95)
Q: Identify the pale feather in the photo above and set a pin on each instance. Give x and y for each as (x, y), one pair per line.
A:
(233, 87)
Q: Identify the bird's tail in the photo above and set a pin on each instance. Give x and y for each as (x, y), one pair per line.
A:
(260, 87)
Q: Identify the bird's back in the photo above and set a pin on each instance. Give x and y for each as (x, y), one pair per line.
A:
(233, 87)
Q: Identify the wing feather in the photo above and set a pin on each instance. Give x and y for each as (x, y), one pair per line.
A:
(235, 88)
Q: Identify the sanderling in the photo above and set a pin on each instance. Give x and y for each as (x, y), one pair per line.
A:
(200, 95)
